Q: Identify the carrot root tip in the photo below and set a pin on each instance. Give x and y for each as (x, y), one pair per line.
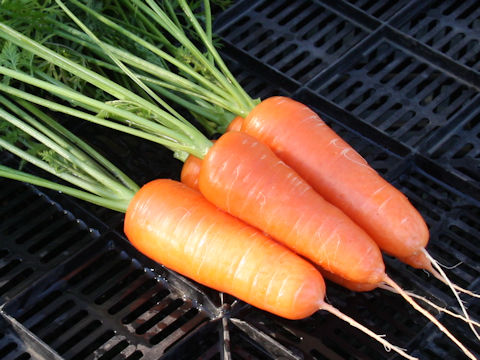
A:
(433, 305)
(429, 316)
(440, 274)
(380, 338)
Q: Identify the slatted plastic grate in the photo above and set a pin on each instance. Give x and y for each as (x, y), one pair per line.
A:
(454, 222)
(377, 94)
(30, 247)
(298, 38)
(459, 149)
(259, 87)
(451, 27)
(395, 92)
(11, 346)
(379, 9)
(104, 304)
(323, 336)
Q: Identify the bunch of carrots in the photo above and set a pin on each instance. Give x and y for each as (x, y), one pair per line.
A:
(265, 212)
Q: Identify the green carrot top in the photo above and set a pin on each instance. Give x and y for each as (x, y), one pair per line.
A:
(36, 138)
(148, 48)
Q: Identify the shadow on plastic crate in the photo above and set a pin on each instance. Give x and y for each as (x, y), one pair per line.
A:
(104, 303)
(37, 235)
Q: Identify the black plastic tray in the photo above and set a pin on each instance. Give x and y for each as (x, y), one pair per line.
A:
(399, 80)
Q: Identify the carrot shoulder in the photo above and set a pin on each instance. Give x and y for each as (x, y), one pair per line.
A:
(190, 171)
(242, 176)
(177, 227)
(299, 137)
(235, 124)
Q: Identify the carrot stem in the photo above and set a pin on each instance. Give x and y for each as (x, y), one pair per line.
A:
(112, 204)
(179, 128)
(380, 338)
(429, 316)
(124, 68)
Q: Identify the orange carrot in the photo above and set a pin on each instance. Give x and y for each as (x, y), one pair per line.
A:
(244, 177)
(235, 124)
(190, 171)
(350, 285)
(299, 137)
(177, 227)
(335, 170)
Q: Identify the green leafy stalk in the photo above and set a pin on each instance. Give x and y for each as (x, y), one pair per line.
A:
(227, 87)
(204, 82)
(125, 69)
(145, 129)
(181, 135)
(46, 144)
(170, 80)
(210, 93)
(113, 204)
(207, 41)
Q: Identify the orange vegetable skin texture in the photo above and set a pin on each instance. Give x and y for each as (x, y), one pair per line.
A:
(242, 176)
(299, 137)
(350, 285)
(177, 227)
(190, 171)
(235, 124)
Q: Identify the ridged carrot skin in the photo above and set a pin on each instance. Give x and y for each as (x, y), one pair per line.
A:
(190, 173)
(243, 176)
(177, 227)
(299, 137)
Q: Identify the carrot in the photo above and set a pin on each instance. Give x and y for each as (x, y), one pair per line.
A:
(177, 227)
(168, 221)
(235, 124)
(190, 171)
(242, 176)
(300, 138)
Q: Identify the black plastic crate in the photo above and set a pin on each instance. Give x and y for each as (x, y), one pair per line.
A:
(297, 39)
(457, 148)
(382, 10)
(17, 343)
(394, 90)
(103, 303)
(36, 235)
(406, 103)
(450, 27)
